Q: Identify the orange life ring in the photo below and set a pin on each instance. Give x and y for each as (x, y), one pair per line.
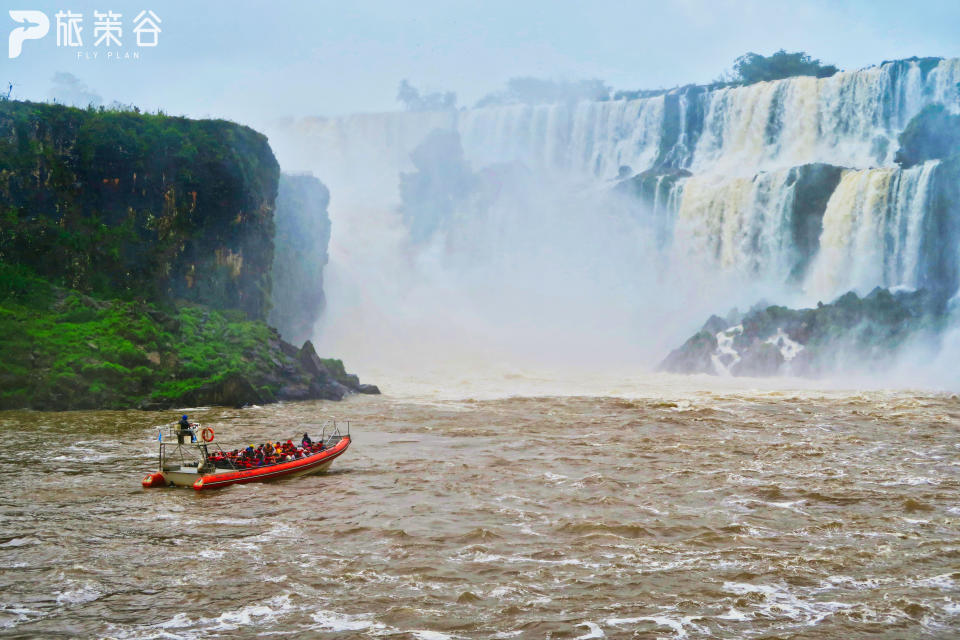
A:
(207, 434)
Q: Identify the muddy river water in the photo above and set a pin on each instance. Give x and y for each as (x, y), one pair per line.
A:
(637, 512)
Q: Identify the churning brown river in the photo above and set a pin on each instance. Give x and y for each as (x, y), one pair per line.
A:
(646, 508)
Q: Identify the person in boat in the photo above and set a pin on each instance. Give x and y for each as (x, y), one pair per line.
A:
(306, 442)
(185, 430)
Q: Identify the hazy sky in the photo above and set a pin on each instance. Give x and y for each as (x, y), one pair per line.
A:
(249, 61)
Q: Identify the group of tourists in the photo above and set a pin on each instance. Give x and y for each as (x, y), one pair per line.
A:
(265, 454)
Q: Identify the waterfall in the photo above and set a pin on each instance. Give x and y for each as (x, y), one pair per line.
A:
(786, 189)
(872, 231)
(851, 119)
(740, 224)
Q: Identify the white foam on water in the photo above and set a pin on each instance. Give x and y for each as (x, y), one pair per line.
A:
(81, 593)
(943, 581)
(20, 542)
(502, 592)
(951, 608)
(779, 602)
(662, 621)
(333, 621)
(525, 529)
(263, 613)
(179, 621)
(733, 614)
(911, 481)
(278, 531)
(787, 505)
(19, 615)
(423, 634)
(860, 584)
(593, 631)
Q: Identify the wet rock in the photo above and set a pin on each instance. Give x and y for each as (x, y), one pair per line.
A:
(232, 390)
(311, 362)
(763, 360)
(695, 356)
(715, 325)
(849, 332)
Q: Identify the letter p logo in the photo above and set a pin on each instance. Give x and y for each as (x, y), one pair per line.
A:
(38, 23)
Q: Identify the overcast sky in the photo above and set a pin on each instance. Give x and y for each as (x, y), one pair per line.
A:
(248, 61)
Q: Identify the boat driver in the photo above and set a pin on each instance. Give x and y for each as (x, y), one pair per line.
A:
(185, 430)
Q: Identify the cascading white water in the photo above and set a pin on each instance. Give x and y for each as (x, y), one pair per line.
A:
(723, 234)
(740, 224)
(872, 231)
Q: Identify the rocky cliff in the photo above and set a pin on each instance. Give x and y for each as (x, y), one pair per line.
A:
(302, 237)
(135, 262)
(128, 205)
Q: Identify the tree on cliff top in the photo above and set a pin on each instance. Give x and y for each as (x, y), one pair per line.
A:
(753, 67)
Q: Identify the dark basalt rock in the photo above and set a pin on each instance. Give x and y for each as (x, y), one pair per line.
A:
(815, 183)
(714, 325)
(304, 377)
(311, 362)
(233, 390)
(370, 389)
(932, 134)
(850, 331)
(695, 356)
(763, 360)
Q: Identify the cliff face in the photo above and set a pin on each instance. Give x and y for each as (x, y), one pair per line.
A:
(302, 237)
(135, 256)
(119, 204)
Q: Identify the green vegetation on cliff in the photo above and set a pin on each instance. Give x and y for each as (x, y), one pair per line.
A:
(65, 350)
(753, 67)
(135, 206)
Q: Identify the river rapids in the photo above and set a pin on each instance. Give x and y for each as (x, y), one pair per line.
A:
(652, 508)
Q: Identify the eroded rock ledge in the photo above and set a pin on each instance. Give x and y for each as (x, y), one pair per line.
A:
(849, 333)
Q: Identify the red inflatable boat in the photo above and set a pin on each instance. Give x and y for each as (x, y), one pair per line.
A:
(193, 464)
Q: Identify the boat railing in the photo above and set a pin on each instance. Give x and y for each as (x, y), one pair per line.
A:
(174, 431)
(172, 449)
(331, 431)
(330, 434)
